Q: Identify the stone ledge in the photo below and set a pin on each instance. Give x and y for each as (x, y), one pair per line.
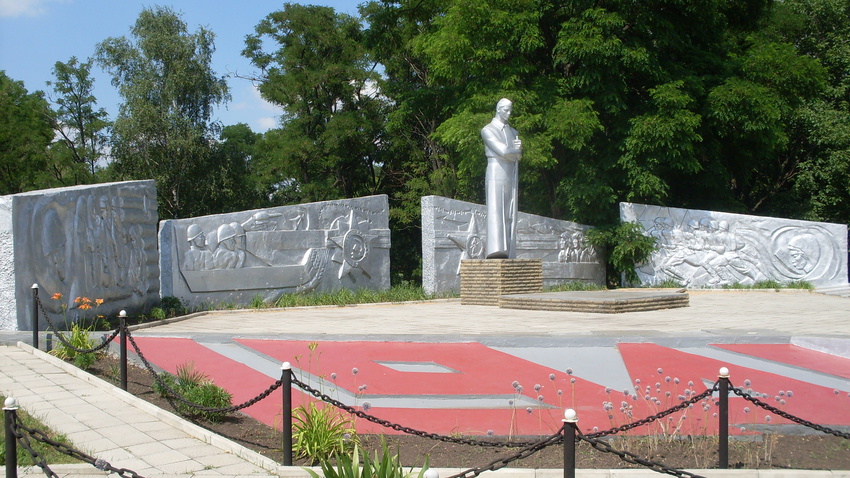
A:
(600, 302)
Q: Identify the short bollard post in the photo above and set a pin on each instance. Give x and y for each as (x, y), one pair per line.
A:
(122, 324)
(35, 316)
(723, 419)
(10, 408)
(286, 379)
(570, 420)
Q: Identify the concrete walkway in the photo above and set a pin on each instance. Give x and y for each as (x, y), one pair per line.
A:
(129, 433)
(713, 315)
(108, 423)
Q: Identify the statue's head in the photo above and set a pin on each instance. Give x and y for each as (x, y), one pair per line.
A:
(503, 109)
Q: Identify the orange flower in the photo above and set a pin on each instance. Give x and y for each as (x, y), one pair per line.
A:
(85, 306)
(86, 300)
(98, 301)
(78, 300)
(57, 296)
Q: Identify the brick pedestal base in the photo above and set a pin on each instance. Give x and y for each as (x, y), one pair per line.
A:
(482, 282)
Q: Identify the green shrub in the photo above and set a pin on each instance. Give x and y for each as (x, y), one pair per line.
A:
(208, 395)
(172, 306)
(386, 465)
(626, 246)
(158, 314)
(321, 432)
(80, 338)
(195, 386)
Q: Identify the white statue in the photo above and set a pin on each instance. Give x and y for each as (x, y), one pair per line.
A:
(503, 150)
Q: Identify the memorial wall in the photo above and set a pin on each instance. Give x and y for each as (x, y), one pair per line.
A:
(235, 257)
(454, 230)
(94, 241)
(714, 249)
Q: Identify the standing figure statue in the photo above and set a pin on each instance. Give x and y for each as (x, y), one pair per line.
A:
(503, 150)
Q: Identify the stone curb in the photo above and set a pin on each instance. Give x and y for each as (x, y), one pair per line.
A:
(165, 416)
(202, 313)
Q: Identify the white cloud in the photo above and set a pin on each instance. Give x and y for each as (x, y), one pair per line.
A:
(20, 8)
(262, 103)
(266, 123)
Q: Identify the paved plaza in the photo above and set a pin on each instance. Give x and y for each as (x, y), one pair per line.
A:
(443, 359)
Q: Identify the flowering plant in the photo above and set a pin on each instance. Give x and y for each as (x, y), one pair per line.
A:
(80, 336)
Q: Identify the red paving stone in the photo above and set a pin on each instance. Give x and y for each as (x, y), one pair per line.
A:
(795, 356)
(480, 371)
(809, 401)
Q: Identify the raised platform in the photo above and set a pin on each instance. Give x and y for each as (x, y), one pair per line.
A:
(602, 302)
(484, 281)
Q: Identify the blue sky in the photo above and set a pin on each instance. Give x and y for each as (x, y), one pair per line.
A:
(35, 34)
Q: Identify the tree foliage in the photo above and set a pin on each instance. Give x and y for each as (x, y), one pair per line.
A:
(737, 106)
(80, 125)
(319, 71)
(699, 104)
(164, 129)
(25, 133)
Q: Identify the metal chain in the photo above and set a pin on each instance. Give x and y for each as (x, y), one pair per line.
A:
(174, 394)
(65, 342)
(410, 431)
(42, 437)
(628, 457)
(645, 421)
(525, 452)
(25, 442)
(786, 415)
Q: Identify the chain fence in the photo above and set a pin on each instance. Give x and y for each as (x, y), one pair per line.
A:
(628, 457)
(525, 452)
(400, 428)
(526, 448)
(652, 418)
(23, 434)
(755, 401)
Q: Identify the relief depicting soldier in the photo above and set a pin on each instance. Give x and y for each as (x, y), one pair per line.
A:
(226, 255)
(198, 257)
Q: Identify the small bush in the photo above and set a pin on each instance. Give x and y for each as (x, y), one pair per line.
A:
(626, 247)
(158, 314)
(321, 432)
(172, 306)
(79, 338)
(195, 386)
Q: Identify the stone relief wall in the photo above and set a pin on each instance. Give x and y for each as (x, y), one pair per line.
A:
(454, 230)
(320, 246)
(96, 241)
(712, 249)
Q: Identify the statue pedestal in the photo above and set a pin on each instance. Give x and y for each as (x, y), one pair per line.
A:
(483, 281)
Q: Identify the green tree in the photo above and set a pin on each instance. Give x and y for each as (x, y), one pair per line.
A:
(25, 133)
(329, 145)
(81, 126)
(164, 130)
(697, 104)
(820, 142)
(236, 185)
